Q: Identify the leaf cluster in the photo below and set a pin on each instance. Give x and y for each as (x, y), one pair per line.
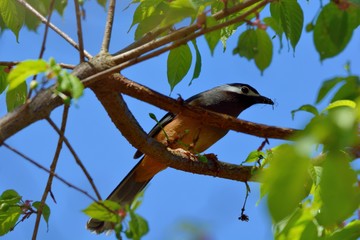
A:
(12, 207)
(312, 184)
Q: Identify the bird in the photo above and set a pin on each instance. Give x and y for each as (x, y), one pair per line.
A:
(178, 131)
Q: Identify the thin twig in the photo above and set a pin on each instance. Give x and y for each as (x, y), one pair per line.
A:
(48, 171)
(76, 157)
(89, 80)
(43, 44)
(52, 169)
(52, 26)
(79, 30)
(182, 33)
(108, 27)
(51, 8)
(13, 63)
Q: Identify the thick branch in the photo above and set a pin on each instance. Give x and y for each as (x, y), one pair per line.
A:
(128, 87)
(131, 130)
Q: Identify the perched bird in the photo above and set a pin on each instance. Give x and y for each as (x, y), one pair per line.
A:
(179, 131)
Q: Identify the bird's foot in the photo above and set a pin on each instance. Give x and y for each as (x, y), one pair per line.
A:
(213, 161)
(184, 153)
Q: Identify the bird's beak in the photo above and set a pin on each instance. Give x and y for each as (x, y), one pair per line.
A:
(265, 100)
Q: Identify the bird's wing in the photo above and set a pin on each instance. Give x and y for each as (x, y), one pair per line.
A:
(156, 129)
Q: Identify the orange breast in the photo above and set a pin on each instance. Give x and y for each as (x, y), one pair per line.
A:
(183, 132)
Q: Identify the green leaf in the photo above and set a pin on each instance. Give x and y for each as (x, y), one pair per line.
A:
(341, 103)
(12, 14)
(25, 69)
(77, 88)
(16, 96)
(212, 38)
(149, 18)
(350, 90)
(306, 108)
(144, 9)
(102, 2)
(326, 87)
(257, 45)
(179, 10)
(276, 26)
(138, 226)
(31, 21)
(290, 15)
(45, 211)
(247, 44)
(254, 156)
(98, 211)
(10, 196)
(197, 68)
(315, 173)
(333, 30)
(350, 231)
(8, 218)
(3, 79)
(285, 179)
(178, 64)
(339, 192)
(265, 48)
(60, 6)
(9, 210)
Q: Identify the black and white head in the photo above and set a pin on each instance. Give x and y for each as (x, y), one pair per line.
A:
(229, 99)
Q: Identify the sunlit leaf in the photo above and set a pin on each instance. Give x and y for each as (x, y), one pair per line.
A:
(25, 69)
(98, 211)
(341, 103)
(350, 231)
(254, 156)
(9, 210)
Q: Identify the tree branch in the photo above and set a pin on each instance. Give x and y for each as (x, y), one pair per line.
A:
(124, 85)
(108, 27)
(79, 30)
(178, 35)
(52, 169)
(49, 171)
(52, 26)
(76, 157)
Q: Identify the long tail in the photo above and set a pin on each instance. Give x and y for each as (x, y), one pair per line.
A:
(128, 188)
(124, 194)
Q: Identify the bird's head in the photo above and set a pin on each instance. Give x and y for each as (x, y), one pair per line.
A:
(229, 99)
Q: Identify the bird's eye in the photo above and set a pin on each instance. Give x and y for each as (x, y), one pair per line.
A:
(245, 90)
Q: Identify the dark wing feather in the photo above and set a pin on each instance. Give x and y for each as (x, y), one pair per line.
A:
(156, 129)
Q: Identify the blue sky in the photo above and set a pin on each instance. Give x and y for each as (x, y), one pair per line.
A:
(173, 197)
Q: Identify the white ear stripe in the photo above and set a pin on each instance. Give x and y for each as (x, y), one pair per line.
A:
(237, 90)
